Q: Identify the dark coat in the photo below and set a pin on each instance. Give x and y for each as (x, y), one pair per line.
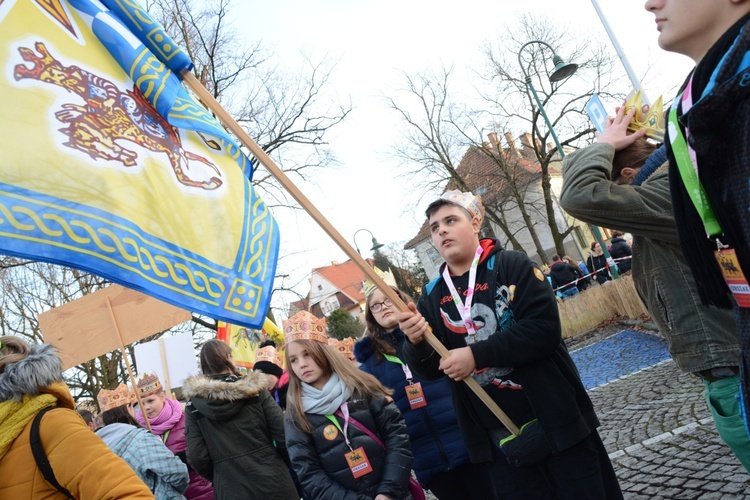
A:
(598, 264)
(514, 301)
(235, 437)
(434, 434)
(621, 252)
(318, 458)
(563, 276)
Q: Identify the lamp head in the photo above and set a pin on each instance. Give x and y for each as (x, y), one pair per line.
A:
(375, 244)
(562, 70)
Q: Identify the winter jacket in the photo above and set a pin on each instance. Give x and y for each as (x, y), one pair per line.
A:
(521, 359)
(598, 264)
(621, 252)
(719, 128)
(434, 435)
(159, 468)
(76, 455)
(563, 276)
(699, 337)
(318, 458)
(200, 488)
(235, 437)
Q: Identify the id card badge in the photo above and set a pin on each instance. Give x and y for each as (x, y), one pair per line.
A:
(358, 463)
(733, 275)
(415, 396)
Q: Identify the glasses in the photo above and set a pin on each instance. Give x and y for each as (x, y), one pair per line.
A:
(378, 306)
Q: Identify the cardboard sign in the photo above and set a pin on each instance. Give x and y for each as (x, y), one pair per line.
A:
(83, 329)
(176, 352)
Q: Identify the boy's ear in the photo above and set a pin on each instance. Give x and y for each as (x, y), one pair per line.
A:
(476, 223)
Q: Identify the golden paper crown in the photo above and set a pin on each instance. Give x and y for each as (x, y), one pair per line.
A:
(112, 399)
(149, 384)
(466, 200)
(387, 276)
(345, 346)
(649, 118)
(270, 354)
(305, 326)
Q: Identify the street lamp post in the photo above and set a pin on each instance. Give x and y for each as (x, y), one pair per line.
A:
(375, 244)
(560, 72)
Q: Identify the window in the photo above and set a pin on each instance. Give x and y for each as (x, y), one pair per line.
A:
(320, 288)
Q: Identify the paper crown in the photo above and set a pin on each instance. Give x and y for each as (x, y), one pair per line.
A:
(149, 384)
(465, 200)
(305, 326)
(112, 399)
(649, 118)
(345, 346)
(387, 276)
(268, 353)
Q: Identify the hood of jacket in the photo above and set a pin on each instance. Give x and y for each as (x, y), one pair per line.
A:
(112, 434)
(39, 372)
(220, 397)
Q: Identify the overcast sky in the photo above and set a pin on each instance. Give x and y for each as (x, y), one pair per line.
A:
(375, 42)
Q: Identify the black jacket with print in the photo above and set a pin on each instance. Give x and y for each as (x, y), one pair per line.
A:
(518, 341)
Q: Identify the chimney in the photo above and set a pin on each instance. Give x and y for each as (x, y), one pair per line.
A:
(512, 144)
(493, 140)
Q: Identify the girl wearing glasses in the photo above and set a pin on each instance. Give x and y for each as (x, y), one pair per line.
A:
(441, 461)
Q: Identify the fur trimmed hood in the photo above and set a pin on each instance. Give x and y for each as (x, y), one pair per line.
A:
(221, 397)
(30, 376)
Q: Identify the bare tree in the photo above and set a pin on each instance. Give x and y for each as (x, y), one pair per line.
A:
(564, 101)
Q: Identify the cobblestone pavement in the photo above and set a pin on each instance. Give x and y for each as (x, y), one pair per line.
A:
(662, 440)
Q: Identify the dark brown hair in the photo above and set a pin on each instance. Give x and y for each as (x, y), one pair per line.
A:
(633, 156)
(439, 203)
(380, 346)
(216, 358)
(13, 350)
(330, 361)
(119, 415)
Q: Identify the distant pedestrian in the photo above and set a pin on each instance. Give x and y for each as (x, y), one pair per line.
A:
(564, 277)
(597, 263)
(580, 268)
(621, 252)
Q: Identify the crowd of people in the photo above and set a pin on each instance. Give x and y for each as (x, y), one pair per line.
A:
(401, 418)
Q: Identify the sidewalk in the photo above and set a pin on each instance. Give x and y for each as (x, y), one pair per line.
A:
(655, 423)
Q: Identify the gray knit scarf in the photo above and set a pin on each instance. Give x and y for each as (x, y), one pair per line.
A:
(327, 400)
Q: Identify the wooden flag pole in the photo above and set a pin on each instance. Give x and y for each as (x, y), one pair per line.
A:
(209, 100)
(127, 363)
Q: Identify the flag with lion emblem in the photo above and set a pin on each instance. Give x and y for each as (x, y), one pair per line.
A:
(109, 165)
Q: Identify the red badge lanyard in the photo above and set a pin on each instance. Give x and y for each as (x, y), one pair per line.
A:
(464, 309)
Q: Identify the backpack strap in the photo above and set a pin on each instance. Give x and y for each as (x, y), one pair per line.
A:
(41, 457)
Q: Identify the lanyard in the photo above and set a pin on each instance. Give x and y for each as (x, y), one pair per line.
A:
(464, 309)
(395, 359)
(687, 164)
(345, 411)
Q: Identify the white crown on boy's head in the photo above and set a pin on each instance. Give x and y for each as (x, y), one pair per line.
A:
(387, 276)
(465, 200)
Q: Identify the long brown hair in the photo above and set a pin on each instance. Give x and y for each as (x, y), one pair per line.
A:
(380, 346)
(216, 358)
(330, 361)
(12, 350)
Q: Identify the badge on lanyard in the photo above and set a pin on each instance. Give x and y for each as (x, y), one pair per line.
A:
(358, 462)
(415, 396)
(733, 275)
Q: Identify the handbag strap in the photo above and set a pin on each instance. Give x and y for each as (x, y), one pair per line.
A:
(41, 457)
(364, 429)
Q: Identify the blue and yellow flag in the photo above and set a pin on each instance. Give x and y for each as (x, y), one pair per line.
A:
(109, 165)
